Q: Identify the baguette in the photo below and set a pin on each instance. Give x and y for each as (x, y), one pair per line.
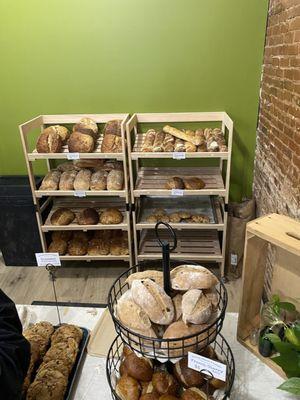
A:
(168, 143)
(51, 180)
(189, 136)
(147, 146)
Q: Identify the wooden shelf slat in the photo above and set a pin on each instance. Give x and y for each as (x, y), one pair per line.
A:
(41, 193)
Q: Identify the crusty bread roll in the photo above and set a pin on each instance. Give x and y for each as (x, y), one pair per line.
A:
(155, 276)
(51, 180)
(168, 143)
(111, 144)
(202, 147)
(139, 368)
(119, 246)
(88, 216)
(174, 183)
(62, 216)
(98, 247)
(189, 136)
(77, 247)
(153, 300)
(111, 216)
(177, 301)
(115, 180)
(87, 126)
(196, 307)
(190, 147)
(113, 127)
(82, 180)
(62, 131)
(128, 388)
(158, 141)
(59, 246)
(132, 315)
(165, 384)
(147, 145)
(67, 180)
(81, 143)
(179, 145)
(185, 277)
(212, 296)
(193, 183)
(186, 376)
(98, 180)
(194, 393)
(49, 142)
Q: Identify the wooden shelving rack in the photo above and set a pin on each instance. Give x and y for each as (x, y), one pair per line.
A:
(50, 200)
(148, 173)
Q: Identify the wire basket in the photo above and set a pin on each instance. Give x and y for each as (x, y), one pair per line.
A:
(220, 346)
(165, 349)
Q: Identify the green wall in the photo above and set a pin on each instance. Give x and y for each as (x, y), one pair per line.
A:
(95, 56)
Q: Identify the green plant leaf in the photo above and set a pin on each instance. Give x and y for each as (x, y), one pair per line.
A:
(284, 305)
(291, 385)
(292, 336)
(289, 362)
(275, 298)
(273, 338)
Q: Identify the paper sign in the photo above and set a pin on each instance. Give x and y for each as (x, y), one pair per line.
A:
(207, 366)
(233, 259)
(73, 156)
(79, 193)
(177, 192)
(178, 155)
(43, 259)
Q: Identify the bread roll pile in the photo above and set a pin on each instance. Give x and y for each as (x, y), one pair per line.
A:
(146, 309)
(93, 243)
(145, 379)
(85, 175)
(177, 217)
(54, 363)
(171, 139)
(83, 138)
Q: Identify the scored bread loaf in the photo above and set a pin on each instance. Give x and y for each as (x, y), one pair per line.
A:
(111, 144)
(82, 180)
(168, 143)
(113, 127)
(87, 126)
(147, 145)
(177, 301)
(158, 142)
(174, 183)
(189, 136)
(61, 235)
(67, 180)
(98, 247)
(49, 142)
(62, 131)
(196, 307)
(77, 247)
(115, 180)
(190, 147)
(58, 246)
(88, 216)
(153, 300)
(62, 216)
(98, 180)
(179, 145)
(111, 216)
(81, 143)
(185, 277)
(51, 180)
(92, 163)
(193, 183)
(155, 276)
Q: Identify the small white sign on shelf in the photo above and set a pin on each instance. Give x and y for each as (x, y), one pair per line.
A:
(203, 364)
(233, 259)
(177, 192)
(73, 156)
(178, 155)
(80, 193)
(43, 259)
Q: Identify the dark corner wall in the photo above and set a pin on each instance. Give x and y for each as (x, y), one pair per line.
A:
(131, 56)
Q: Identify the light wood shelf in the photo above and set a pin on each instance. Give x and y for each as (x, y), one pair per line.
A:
(72, 193)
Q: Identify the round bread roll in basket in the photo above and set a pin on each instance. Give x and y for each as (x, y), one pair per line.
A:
(165, 311)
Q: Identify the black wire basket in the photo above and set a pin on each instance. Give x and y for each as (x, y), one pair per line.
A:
(220, 346)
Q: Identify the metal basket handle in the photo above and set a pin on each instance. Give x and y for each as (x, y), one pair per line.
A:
(166, 249)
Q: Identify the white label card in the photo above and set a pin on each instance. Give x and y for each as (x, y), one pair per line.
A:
(73, 156)
(233, 259)
(43, 259)
(79, 193)
(177, 192)
(178, 155)
(203, 364)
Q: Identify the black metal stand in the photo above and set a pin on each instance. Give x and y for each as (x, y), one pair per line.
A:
(52, 269)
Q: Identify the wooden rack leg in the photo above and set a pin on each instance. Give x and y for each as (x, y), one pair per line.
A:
(225, 217)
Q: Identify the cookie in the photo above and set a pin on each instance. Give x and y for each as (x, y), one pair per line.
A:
(43, 328)
(37, 340)
(65, 351)
(50, 385)
(56, 365)
(67, 331)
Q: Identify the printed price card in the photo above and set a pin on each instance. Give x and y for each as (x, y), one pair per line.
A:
(79, 193)
(233, 259)
(177, 192)
(203, 364)
(73, 156)
(43, 259)
(178, 155)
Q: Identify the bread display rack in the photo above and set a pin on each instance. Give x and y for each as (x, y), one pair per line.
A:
(150, 170)
(46, 201)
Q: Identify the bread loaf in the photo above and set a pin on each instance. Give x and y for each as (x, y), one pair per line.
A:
(155, 276)
(113, 164)
(49, 142)
(81, 143)
(158, 142)
(194, 393)
(193, 183)
(59, 246)
(186, 376)
(77, 247)
(67, 166)
(131, 315)
(164, 383)
(111, 216)
(179, 145)
(82, 236)
(51, 181)
(153, 300)
(190, 147)
(189, 136)
(196, 308)
(128, 388)
(168, 143)
(87, 126)
(139, 368)
(202, 147)
(62, 216)
(98, 180)
(174, 183)
(89, 163)
(82, 180)
(62, 131)
(111, 144)
(115, 180)
(67, 180)
(119, 246)
(177, 301)
(185, 277)
(88, 216)
(113, 127)
(148, 141)
(61, 235)
(98, 247)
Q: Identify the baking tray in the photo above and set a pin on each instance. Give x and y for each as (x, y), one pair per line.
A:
(195, 205)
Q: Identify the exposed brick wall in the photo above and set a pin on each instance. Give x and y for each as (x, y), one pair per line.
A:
(277, 161)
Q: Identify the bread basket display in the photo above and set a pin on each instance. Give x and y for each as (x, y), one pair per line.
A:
(161, 314)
